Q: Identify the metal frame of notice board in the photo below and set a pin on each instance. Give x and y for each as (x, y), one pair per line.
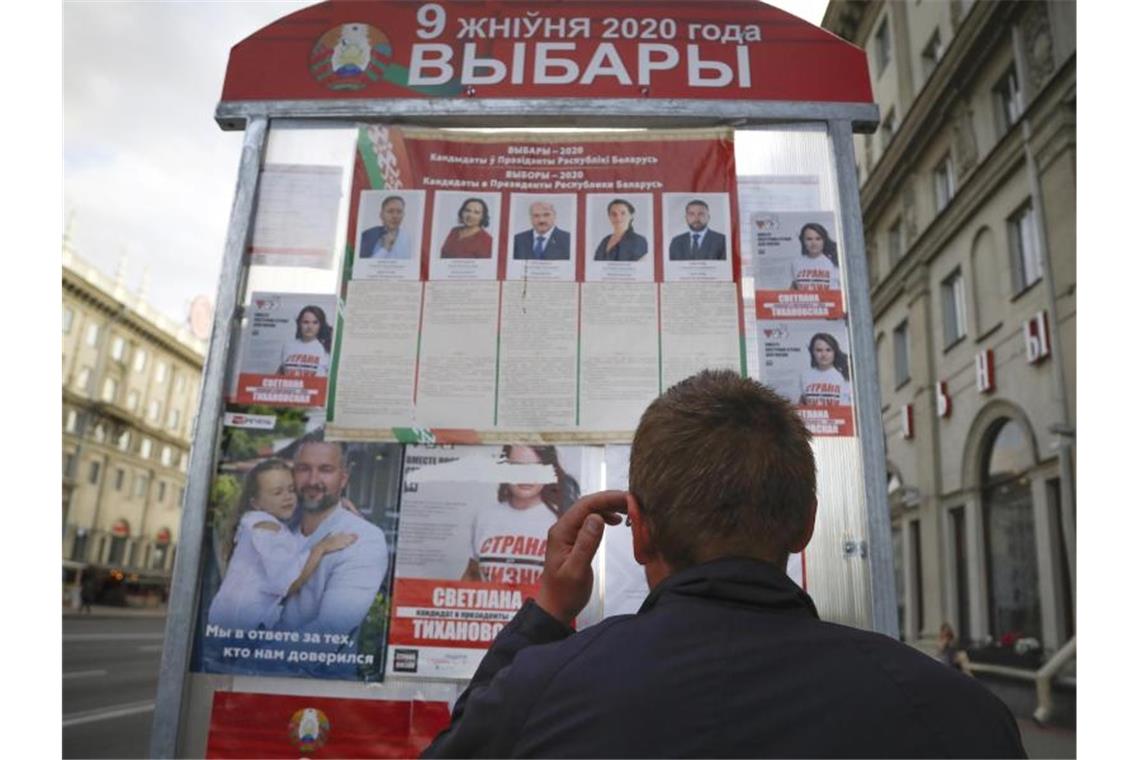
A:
(841, 119)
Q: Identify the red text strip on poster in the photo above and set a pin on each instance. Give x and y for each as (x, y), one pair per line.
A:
(273, 725)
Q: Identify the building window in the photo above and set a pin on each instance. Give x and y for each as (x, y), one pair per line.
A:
(943, 183)
(92, 334)
(118, 348)
(931, 55)
(1010, 543)
(883, 45)
(953, 309)
(125, 440)
(153, 410)
(158, 561)
(83, 379)
(145, 447)
(99, 433)
(167, 456)
(916, 575)
(141, 483)
(961, 573)
(894, 243)
(120, 478)
(173, 417)
(93, 473)
(902, 354)
(900, 586)
(161, 491)
(68, 319)
(118, 546)
(110, 389)
(68, 465)
(140, 359)
(160, 370)
(1025, 255)
(133, 400)
(887, 130)
(71, 421)
(179, 382)
(1007, 95)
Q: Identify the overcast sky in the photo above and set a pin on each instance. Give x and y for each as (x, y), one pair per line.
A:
(147, 172)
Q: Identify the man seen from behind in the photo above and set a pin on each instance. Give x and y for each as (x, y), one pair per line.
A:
(727, 657)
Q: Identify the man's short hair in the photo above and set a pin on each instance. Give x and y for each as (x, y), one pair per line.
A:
(696, 202)
(722, 467)
(390, 199)
(318, 436)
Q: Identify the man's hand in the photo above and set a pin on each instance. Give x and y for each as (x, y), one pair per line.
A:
(567, 578)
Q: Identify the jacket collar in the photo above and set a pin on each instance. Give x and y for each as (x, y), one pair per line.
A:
(735, 581)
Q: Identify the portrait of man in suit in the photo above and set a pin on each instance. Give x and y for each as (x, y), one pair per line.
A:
(699, 243)
(388, 240)
(544, 240)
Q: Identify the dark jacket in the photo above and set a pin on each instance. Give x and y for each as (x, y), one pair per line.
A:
(557, 245)
(631, 247)
(712, 247)
(725, 659)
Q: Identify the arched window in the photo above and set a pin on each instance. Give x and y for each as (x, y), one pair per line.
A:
(1011, 549)
(986, 271)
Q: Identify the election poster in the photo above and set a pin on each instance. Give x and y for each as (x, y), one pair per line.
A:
(298, 207)
(796, 265)
(558, 276)
(286, 350)
(808, 363)
(246, 725)
(473, 531)
(301, 539)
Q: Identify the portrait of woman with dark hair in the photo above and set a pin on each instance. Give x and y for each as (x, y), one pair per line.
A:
(623, 244)
(469, 239)
(508, 537)
(817, 266)
(309, 351)
(828, 381)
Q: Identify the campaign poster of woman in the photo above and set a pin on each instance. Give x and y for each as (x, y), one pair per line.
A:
(808, 363)
(795, 260)
(301, 541)
(473, 540)
(286, 350)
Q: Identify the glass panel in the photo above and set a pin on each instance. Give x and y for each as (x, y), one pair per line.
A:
(1009, 453)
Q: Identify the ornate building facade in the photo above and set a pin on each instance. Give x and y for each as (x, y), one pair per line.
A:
(130, 390)
(969, 208)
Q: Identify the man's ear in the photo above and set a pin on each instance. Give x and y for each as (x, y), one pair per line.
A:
(643, 549)
(805, 535)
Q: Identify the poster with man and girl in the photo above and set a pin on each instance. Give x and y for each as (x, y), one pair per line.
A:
(298, 561)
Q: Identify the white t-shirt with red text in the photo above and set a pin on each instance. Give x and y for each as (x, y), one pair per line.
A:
(299, 358)
(814, 274)
(510, 544)
(824, 388)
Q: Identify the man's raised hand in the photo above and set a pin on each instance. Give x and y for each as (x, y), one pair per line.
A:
(571, 543)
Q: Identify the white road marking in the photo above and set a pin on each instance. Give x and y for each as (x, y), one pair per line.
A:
(84, 673)
(113, 636)
(107, 713)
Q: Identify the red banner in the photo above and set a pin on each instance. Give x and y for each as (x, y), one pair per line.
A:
(273, 725)
(643, 49)
(442, 613)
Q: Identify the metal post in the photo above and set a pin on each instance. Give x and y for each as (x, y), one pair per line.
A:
(868, 418)
(183, 600)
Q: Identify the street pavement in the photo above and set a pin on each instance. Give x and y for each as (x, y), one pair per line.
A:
(110, 674)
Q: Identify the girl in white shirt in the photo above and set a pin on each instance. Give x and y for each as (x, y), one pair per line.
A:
(309, 351)
(828, 381)
(268, 561)
(508, 538)
(817, 266)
